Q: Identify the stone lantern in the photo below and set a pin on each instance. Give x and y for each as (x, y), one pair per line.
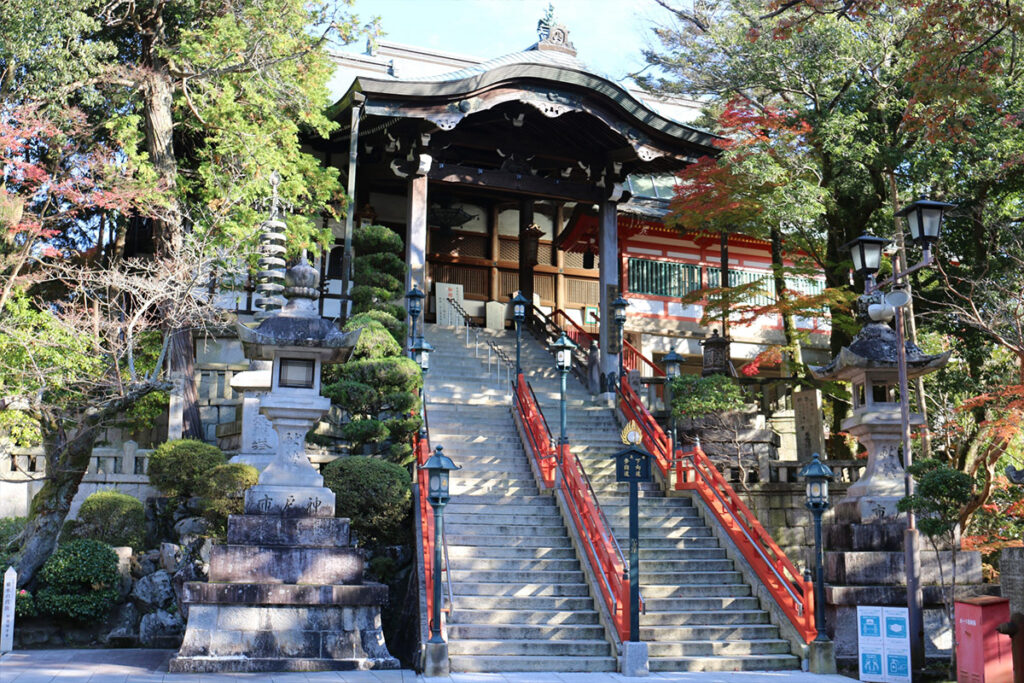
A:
(716, 355)
(298, 342)
(869, 365)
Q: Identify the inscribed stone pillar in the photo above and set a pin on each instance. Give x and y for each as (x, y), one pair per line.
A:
(608, 238)
(810, 429)
(416, 234)
(259, 440)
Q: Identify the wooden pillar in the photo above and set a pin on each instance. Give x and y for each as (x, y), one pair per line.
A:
(527, 248)
(416, 236)
(559, 258)
(608, 245)
(495, 251)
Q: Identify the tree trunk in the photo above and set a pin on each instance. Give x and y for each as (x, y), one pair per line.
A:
(181, 363)
(66, 463)
(723, 281)
(792, 359)
(158, 95)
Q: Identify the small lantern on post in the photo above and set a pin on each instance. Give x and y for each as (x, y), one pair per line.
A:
(519, 304)
(421, 353)
(414, 304)
(673, 369)
(619, 307)
(817, 475)
(563, 348)
(438, 467)
(924, 219)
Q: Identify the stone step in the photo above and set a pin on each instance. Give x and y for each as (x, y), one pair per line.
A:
(655, 605)
(458, 553)
(660, 567)
(469, 589)
(717, 648)
(514, 564)
(671, 578)
(503, 617)
(708, 632)
(556, 663)
(516, 576)
(513, 506)
(730, 663)
(705, 618)
(532, 519)
(469, 608)
(474, 528)
(696, 590)
(481, 540)
(515, 631)
(530, 647)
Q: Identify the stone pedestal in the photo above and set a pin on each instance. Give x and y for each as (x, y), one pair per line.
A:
(874, 496)
(284, 594)
(865, 565)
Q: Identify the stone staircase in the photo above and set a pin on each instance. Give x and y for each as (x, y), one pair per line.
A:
(521, 602)
(700, 613)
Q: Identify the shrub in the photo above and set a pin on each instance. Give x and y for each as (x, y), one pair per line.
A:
(113, 518)
(359, 432)
(395, 325)
(387, 375)
(223, 491)
(401, 454)
(694, 396)
(355, 397)
(178, 468)
(80, 581)
(24, 604)
(389, 264)
(375, 342)
(401, 428)
(375, 495)
(374, 239)
(366, 297)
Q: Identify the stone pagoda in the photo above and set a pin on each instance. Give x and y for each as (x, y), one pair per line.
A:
(864, 544)
(286, 592)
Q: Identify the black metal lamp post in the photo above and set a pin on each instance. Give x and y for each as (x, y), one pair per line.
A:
(673, 367)
(438, 466)
(421, 353)
(924, 219)
(866, 252)
(619, 307)
(563, 348)
(519, 304)
(817, 475)
(414, 304)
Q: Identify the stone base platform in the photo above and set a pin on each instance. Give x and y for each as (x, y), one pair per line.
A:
(286, 594)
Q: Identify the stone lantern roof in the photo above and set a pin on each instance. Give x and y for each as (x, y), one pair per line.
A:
(298, 325)
(875, 348)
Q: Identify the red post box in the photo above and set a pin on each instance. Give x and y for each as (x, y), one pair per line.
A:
(983, 655)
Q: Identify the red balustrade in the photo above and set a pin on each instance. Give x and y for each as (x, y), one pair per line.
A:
(422, 449)
(573, 331)
(602, 552)
(695, 472)
(632, 359)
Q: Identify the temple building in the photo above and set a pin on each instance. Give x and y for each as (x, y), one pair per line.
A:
(529, 172)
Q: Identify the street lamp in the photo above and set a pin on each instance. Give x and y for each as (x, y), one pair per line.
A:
(438, 466)
(673, 368)
(817, 475)
(563, 348)
(414, 304)
(619, 307)
(924, 219)
(866, 252)
(519, 304)
(421, 353)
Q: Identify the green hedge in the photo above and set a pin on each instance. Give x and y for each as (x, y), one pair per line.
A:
(374, 239)
(375, 495)
(80, 581)
(113, 518)
(178, 468)
(395, 325)
(223, 494)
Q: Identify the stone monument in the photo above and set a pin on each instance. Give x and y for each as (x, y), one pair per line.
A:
(258, 440)
(286, 592)
(864, 548)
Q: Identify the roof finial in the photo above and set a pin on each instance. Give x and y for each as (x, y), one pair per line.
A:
(553, 35)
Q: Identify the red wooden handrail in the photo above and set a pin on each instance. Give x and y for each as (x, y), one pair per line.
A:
(572, 330)
(632, 359)
(696, 472)
(422, 449)
(602, 552)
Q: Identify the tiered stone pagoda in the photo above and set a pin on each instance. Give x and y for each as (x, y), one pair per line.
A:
(286, 592)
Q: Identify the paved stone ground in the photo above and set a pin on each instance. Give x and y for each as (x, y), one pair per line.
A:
(150, 666)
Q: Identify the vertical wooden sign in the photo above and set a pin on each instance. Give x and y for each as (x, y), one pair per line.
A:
(7, 619)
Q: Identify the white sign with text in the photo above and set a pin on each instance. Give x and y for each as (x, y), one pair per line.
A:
(7, 618)
(883, 643)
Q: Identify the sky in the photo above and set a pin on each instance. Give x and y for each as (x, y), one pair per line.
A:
(608, 34)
